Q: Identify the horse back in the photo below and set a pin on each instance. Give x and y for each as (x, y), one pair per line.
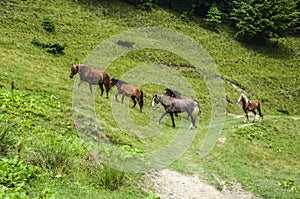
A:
(254, 104)
(92, 76)
(127, 89)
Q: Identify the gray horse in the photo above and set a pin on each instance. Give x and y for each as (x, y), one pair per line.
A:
(174, 106)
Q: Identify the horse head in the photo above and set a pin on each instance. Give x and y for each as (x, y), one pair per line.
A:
(242, 98)
(113, 81)
(74, 70)
(155, 100)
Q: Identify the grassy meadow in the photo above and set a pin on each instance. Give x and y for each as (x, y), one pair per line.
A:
(54, 156)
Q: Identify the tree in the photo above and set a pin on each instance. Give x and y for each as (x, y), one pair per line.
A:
(258, 20)
(213, 17)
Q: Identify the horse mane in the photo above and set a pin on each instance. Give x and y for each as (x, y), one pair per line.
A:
(175, 93)
(246, 98)
(119, 81)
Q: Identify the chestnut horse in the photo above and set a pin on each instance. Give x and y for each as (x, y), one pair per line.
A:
(173, 106)
(250, 106)
(91, 76)
(128, 90)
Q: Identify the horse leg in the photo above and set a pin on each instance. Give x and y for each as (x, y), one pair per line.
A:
(162, 116)
(79, 84)
(192, 121)
(90, 87)
(140, 104)
(101, 88)
(134, 101)
(122, 99)
(116, 96)
(107, 88)
(188, 116)
(172, 118)
(246, 117)
(260, 114)
(254, 112)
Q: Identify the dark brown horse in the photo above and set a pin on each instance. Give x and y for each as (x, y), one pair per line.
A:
(91, 76)
(174, 94)
(128, 90)
(173, 106)
(250, 106)
(177, 95)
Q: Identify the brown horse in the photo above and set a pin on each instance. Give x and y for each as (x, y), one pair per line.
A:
(128, 90)
(93, 77)
(250, 106)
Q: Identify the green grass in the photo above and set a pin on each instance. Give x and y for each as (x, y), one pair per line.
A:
(263, 157)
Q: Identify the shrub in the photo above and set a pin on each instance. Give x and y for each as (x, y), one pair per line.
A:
(55, 48)
(48, 25)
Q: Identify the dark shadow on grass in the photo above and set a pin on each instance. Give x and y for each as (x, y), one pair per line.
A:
(275, 50)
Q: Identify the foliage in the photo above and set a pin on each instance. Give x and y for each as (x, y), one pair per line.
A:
(146, 5)
(7, 141)
(289, 185)
(213, 17)
(48, 25)
(54, 152)
(105, 175)
(32, 113)
(264, 20)
(53, 48)
(14, 175)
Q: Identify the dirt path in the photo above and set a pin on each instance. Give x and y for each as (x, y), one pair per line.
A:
(173, 185)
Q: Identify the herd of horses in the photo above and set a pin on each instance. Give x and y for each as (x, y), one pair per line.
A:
(172, 101)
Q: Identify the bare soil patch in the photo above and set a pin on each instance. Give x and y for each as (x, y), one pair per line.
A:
(173, 185)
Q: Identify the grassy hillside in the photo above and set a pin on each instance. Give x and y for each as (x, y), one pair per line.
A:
(37, 116)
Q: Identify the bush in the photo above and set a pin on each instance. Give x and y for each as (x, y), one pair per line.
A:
(48, 25)
(55, 48)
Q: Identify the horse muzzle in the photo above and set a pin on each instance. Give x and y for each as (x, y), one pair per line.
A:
(71, 76)
(153, 104)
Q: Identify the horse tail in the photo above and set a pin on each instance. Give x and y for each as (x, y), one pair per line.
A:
(259, 111)
(142, 99)
(195, 113)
